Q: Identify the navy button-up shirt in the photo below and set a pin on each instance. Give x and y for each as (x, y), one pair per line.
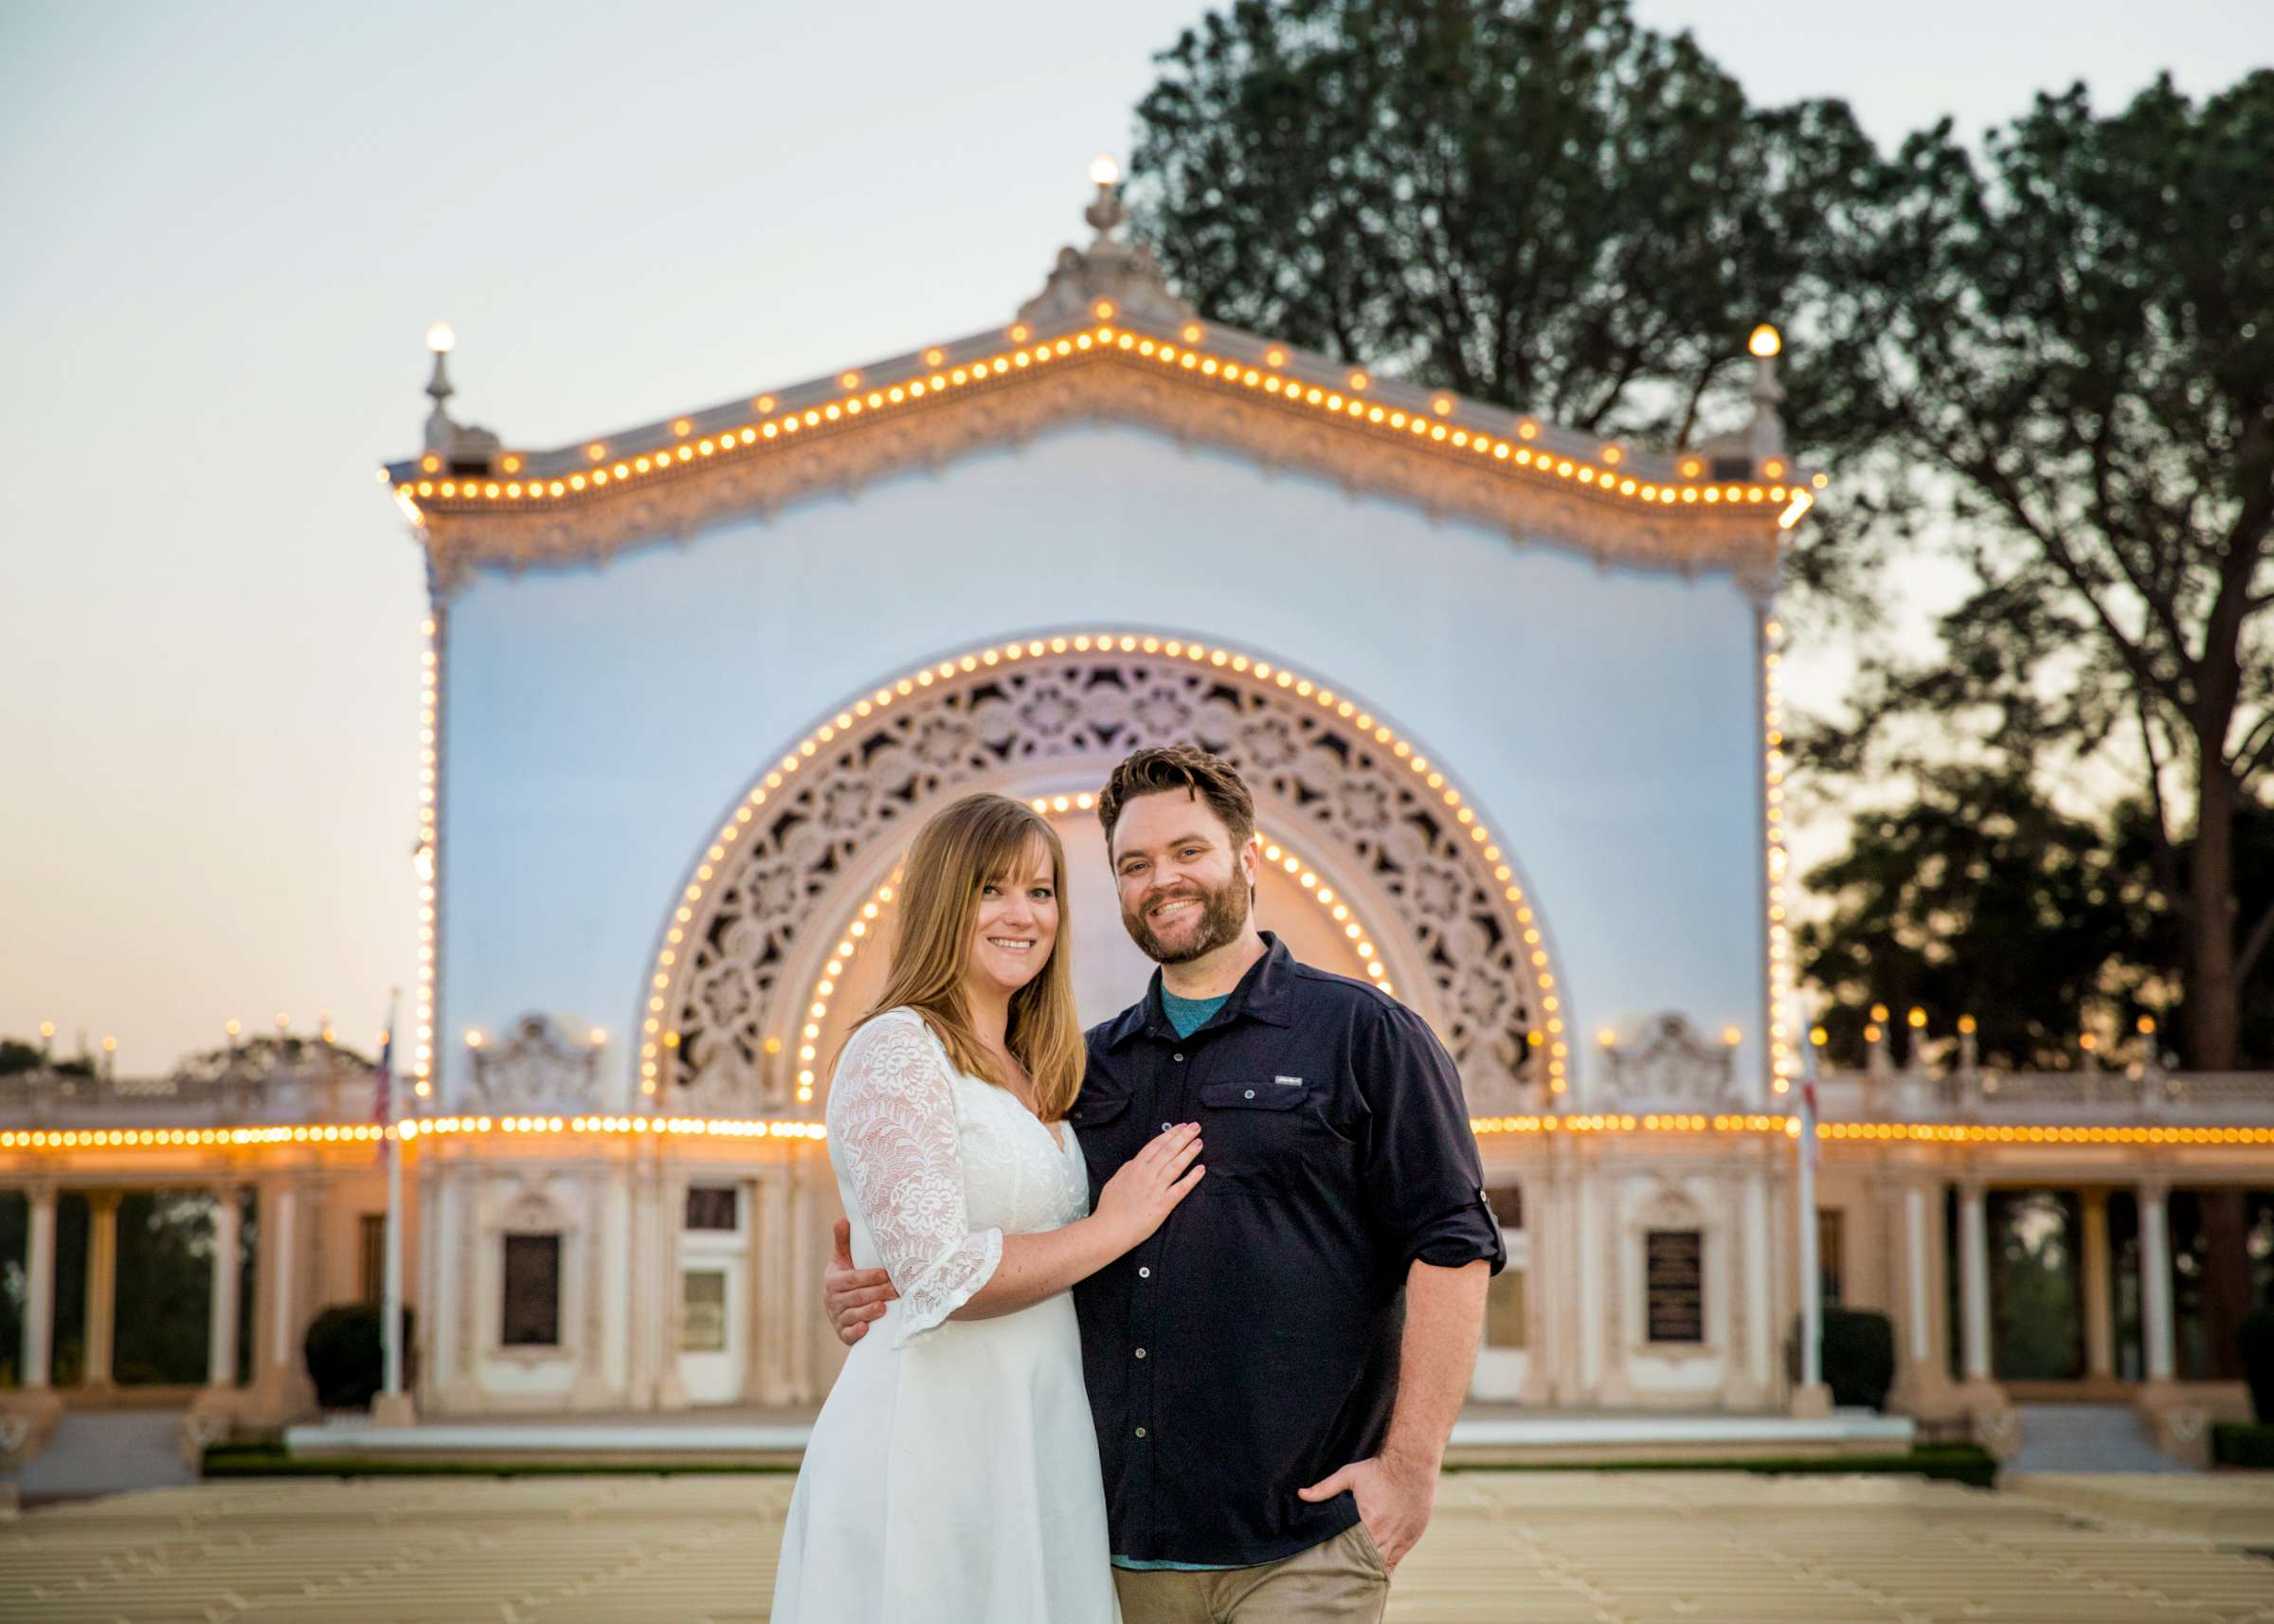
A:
(1249, 1347)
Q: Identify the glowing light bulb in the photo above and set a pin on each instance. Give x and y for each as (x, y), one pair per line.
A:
(1765, 342)
(440, 339)
(1104, 170)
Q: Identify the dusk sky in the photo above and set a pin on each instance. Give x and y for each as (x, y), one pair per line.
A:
(230, 225)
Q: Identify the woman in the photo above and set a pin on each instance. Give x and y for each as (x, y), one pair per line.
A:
(952, 1476)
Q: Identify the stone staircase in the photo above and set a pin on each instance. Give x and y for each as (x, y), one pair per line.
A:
(104, 1451)
(2087, 1438)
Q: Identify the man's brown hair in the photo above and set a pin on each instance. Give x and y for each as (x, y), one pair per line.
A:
(1180, 767)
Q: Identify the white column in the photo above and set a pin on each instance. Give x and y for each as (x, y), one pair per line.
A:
(39, 1287)
(1756, 1298)
(1973, 1279)
(806, 1272)
(2100, 1327)
(220, 1320)
(279, 1258)
(102, 1286)
(774, 1291)
(2155, 1282)
(1917, 1306)
(1595, 1283)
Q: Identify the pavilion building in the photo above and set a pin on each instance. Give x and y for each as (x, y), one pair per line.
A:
(1507, 698)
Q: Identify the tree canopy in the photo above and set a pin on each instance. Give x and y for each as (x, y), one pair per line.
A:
(1544, 205)
(2050, 358)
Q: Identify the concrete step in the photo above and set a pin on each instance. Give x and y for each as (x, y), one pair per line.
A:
(105, 1451)
(2087, 1437)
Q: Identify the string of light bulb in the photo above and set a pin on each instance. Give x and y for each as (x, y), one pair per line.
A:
(858, 398)
(656, 1038)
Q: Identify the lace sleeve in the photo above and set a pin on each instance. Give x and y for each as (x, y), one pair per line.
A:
(891, 1110)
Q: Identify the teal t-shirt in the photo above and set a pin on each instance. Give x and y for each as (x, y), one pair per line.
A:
(1187, 1015)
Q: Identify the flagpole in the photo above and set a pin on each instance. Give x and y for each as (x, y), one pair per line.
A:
(390, 1292)
(1812, 1280)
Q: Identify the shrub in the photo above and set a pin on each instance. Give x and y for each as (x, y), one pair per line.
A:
(344, 1357)
(1859, 1356)
(2255, 1337)
(2240, 1443)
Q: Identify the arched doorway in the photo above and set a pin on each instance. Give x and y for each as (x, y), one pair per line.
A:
(1375, 854)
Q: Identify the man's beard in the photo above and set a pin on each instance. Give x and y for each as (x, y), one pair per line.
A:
(1223, 916)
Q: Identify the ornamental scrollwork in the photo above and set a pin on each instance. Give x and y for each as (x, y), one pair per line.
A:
(1673, 1069)
(1330, 787)
(539, 1068)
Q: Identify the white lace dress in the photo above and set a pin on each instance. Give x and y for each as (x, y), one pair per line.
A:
(952, 1477)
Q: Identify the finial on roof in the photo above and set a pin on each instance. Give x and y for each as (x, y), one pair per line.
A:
(439, 429)
(1764, 438)
(1122, 277)
(456, 442)
(1105, 211)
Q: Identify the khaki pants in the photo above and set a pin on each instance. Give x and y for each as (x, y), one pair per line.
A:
(1343, 1581)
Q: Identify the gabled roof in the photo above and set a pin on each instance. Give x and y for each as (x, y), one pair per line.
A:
(1105, 340)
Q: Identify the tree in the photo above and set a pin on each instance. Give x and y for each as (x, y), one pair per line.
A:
(2070, 343)
(18, 1054)
(1977, 898)
(1537, 202)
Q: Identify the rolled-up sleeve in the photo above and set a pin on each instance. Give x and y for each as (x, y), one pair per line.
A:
(1424, 1179)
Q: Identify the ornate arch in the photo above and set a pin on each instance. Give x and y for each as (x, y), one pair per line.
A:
(723, 1026)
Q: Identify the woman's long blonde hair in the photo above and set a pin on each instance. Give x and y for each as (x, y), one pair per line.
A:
(980, 841)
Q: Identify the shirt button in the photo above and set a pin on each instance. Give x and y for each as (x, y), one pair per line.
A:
(1250, 1093)
(1143, 1273)
(1179, 1057)
(1141, 1353)
(1165, 1127)
(1141, 1432)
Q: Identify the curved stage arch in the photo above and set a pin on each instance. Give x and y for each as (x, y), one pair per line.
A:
(727, 1022)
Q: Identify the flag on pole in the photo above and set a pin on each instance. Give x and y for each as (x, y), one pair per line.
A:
(383, 1089)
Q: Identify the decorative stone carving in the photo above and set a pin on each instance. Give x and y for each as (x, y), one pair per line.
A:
(1124, 275)
(539, 1068)
(1674, 1069)
(1328, 787)
(1103, 385)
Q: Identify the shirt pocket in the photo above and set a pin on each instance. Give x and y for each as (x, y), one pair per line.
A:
(1252, 1130)
(1107, 1132)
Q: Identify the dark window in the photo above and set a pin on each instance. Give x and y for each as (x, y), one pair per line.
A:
(1674, 1284)
(1507, 1201)
(370, 1236)
(531, 1315)
(710, 1206)
(1832, 1267)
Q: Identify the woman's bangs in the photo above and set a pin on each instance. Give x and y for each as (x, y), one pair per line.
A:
(1024, 850)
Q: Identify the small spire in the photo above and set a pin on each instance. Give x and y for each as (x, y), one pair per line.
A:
(1105, 211)
(1764, 438)
(452, 441)
(439, 429)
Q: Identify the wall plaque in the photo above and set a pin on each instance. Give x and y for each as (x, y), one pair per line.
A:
(531, 1313)
(1674, 1284)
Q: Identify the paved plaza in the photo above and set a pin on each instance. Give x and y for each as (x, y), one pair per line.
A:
(1506, 1548)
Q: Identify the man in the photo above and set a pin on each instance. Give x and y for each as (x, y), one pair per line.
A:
(1274, 1375)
